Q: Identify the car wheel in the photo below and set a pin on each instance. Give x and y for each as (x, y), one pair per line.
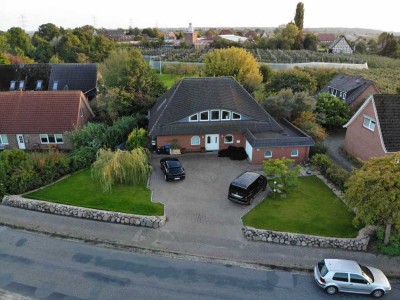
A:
(331, 290)
(377, 293)
(165, 177)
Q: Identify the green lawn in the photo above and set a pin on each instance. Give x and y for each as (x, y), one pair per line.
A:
(80, 190)
(170, 79)
(311, 209)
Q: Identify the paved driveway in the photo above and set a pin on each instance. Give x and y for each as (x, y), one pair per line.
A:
(198, 205)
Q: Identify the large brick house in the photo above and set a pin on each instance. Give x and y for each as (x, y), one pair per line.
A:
(216, 112)
(373, 131)
(38, 120)
(350, 88)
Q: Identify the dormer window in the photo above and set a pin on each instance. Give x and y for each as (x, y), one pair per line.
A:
(39, 84)
(344, 96)
(236, 116)
(12, 85)
(21, 84)
(225, 115)
(194, 118)
(55, 85)
(204, 116)
(215, 115)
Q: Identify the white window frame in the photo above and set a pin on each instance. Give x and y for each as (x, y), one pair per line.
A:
(55, 85)
(294, 155)
(219, 115)
(371, 123)
(12, 85)
(197, 117)
(208, 116)
(344, 96)
(58, 138)
(3, 139)
(39, 84)
(81, 112)
(21, 84)
(267, 156)
(230, 135)
(229, 115)
(234, 119)
(195, 144)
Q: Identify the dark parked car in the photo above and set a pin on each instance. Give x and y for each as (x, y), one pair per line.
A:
(172, 168)
(246, 187)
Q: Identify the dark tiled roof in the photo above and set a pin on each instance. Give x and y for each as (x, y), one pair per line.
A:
(81, 77)
(388, 109)
(30, 73)
(352, 85)
(39, 112)
(192, 95)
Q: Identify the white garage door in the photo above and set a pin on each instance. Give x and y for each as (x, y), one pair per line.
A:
(249, 151)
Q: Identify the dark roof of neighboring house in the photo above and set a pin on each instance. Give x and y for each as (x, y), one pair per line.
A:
(81, 77)
(388, 110)
(326, 37)
(39, 112)
(337, 41)
(192, 95)
(352, 85)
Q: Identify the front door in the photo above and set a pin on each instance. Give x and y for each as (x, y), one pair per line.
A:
(21, 141)
(212, 142)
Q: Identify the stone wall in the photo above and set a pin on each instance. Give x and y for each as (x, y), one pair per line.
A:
(360, 243)
(84, 213)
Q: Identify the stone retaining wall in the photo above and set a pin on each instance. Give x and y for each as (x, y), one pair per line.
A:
(360, 243)
(84, 213)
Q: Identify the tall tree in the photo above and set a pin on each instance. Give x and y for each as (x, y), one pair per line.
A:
(236, 62)
(19, 41)
(374, 192)
(332, 111)
(297, 80)
(299, 17)
(48, 31)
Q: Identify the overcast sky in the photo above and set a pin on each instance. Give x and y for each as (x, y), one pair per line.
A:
(30, 14)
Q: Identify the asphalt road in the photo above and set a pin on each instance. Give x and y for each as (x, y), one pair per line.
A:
(44, 267)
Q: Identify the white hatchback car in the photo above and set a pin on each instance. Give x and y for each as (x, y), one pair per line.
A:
(339, 275)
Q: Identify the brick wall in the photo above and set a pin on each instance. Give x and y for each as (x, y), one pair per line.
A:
(371, 90)
(31, 139)
(280, 152)
(361, 142)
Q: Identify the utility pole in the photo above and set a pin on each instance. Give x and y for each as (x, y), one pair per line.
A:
(23, 25)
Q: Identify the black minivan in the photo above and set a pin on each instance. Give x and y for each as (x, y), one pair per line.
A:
(246, 187)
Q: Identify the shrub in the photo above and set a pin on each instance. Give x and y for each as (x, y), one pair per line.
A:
(50, 165)
(119, 131)
(137, 138)
(338, 176)
(90, 135)
(322, 162)
(318, 148)
(82, 158)
(393, 248)
(126, 167)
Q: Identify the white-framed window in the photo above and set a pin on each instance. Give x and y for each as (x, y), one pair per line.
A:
(225, 115)
(39, 84)
(194, 118)
(12, 85)
(21, 84)
(268, 154)
(51, 139)
(236, 116)
(228, 139)
(369, 123)
(3, 139)
(81, 112)
(204, 116)
(55, 85)
(195, 140)
(344, 96)
(215, 115)
(294, 153)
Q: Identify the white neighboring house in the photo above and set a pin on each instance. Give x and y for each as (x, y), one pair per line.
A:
(233, 38)
(340, 46)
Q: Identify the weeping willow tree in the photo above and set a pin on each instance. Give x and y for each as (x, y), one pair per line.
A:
(124, 167)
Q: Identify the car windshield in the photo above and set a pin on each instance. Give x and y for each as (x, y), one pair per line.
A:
(175, 170)
(173, 164)
(367, 273)
(322, 268)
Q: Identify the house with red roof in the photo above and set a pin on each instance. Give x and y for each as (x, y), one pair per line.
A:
(40, 119)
